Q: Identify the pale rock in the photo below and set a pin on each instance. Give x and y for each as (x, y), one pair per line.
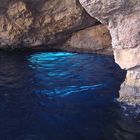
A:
(93, 39)
(123, 20)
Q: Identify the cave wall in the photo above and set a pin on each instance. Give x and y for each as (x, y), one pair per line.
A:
(94, 39)
(44, 23)
(123, 20)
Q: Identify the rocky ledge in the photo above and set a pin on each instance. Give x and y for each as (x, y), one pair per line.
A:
(123, 20)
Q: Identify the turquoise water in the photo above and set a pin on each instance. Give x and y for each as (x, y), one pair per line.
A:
(63, 96)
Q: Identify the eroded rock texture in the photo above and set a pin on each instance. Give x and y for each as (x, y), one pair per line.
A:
(123, 20)
(130, 89)
(14, 23)
(95, 39)
(34, 23)
(38, 22)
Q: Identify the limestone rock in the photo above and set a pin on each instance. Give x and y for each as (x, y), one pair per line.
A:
(127, 58)
(50, 23)
(40, 22)
(56, 20)
(14, 23)
(92, 39)
(123, 20)
(130, 89)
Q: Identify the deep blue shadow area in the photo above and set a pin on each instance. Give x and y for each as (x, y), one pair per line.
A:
(62, 96)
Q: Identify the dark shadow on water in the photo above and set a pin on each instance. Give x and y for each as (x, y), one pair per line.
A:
(62, 96)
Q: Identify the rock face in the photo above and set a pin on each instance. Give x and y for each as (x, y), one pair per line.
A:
(59, 24)
(93, 39)
(130, 89)
(40, 22)
(15, 23)
(123, 20)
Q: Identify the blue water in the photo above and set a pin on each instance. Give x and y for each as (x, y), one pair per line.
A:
(63, 96)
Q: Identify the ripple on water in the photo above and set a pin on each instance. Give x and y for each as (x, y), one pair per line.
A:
(68, 90)
(29, 137)
(62, 96)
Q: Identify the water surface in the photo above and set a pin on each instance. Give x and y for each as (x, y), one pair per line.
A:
(63, 96)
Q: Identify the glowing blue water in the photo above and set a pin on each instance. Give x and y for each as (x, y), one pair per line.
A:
(62, 96)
